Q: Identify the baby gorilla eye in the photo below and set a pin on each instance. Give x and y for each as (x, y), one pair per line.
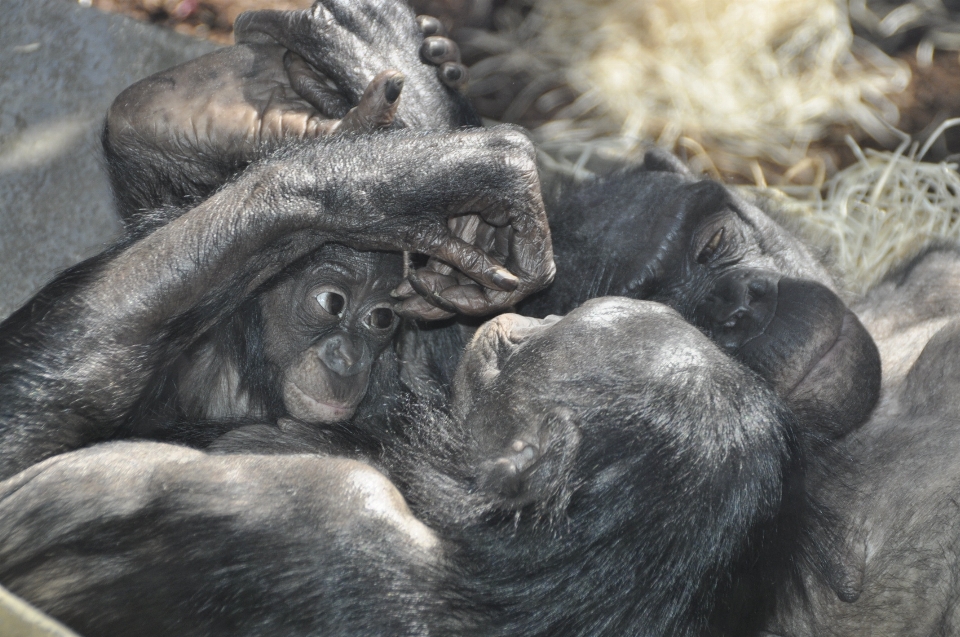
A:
(381, 318)
(710, 249)
(331, 302)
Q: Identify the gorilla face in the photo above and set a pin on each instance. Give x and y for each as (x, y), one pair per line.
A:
(733, 274)
(325, 327)
(727, 268)
(532, 389)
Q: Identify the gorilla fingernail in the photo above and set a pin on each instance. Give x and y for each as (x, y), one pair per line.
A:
(453, 73)
(393, 88)
(429, 295)
(430, 25)
(437, 48)
(505, 280)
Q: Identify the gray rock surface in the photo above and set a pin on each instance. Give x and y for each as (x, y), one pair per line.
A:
(61, 65)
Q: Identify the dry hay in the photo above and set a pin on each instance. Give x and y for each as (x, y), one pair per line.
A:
(745, 86)
(879, 211)
(891, 22)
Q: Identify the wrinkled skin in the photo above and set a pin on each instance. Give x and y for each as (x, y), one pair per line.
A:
(514, 489)
(656, 232)
(84, 359)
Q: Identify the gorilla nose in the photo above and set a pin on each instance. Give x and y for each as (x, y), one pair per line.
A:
(740, 307)
(342, 355)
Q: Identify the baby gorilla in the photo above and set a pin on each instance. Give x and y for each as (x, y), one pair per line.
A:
(239, 308)
(326, 328)
(305, 347)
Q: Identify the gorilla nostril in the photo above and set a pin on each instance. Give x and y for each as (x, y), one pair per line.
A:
(341, 356)
(348, 359)
(734, 318)
(757, 289)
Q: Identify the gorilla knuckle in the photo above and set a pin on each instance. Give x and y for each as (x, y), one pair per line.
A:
(512, 140)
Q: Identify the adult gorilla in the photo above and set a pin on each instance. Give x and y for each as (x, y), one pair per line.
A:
(579, 487)
(656, 232)
(652, 231)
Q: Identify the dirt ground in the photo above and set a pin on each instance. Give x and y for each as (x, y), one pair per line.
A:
(933, 95)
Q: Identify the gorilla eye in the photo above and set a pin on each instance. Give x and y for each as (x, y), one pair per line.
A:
(381, 318)
(711, 248)
(331, 302)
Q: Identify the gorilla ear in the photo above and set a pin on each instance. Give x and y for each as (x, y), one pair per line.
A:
(536, 467)
(659, 160)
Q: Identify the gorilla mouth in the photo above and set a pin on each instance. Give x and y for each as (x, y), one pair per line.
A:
(326, 412)
(827, 356)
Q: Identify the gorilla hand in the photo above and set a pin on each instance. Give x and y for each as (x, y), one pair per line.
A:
(470, 200)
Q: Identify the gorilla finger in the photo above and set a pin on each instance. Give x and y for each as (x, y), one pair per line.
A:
(378, 105)
(403, 291)
(314, 87)
(454, 75)
(426, 288)
(417, 308)
(464, 227)
(476, 264)
(435, 265)
(435, 270)
(473, 300)
(430, 25)
(278, 126)
(436, 50)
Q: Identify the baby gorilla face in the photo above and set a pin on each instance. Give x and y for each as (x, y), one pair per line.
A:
(326, 326)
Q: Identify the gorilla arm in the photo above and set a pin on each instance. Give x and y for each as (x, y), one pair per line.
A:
(77, 356)
(253, 545)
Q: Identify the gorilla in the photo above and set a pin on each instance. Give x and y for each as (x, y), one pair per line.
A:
(307, 346)
(520, 504)
(656, 232)
(651, 231)
(226, 312)
(544, 502)
(208, 310)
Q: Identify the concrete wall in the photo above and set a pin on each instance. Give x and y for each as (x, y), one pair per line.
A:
(61, 65)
